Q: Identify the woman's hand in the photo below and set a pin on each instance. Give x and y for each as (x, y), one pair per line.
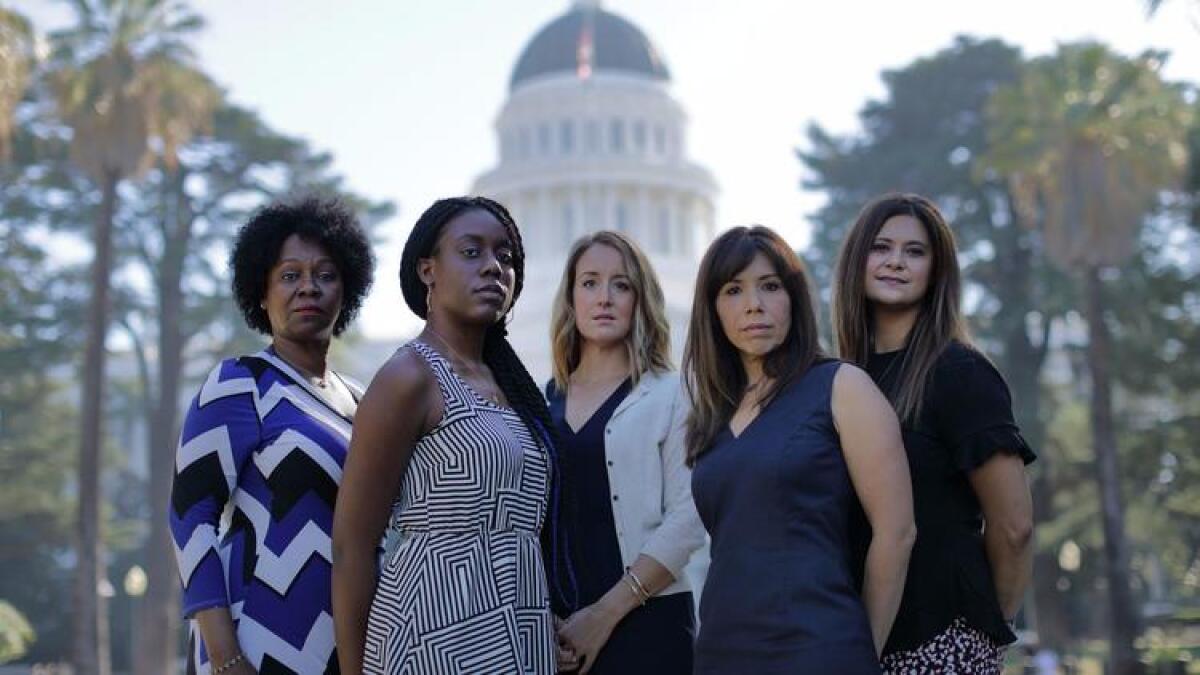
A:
(566, 660)
(586, 631)
(221, 642)
(243, 667)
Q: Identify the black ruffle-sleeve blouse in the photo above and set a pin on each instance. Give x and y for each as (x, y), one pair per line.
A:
(965, 420)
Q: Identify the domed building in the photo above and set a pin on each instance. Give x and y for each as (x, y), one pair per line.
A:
(591, 138)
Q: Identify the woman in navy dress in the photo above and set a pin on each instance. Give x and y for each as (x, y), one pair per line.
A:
(619, 411)
(897, 314)
(783, 441)
(265, 440)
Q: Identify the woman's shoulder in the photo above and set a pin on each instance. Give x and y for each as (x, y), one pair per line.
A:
(961, 353)
(965, 377)
(960, 359)
(551, 391)
(235, 374)
(662, 379)
(408, 368)
(821, 373)
(665, 386)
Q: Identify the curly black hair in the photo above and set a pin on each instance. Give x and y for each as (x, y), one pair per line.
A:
(326, 221)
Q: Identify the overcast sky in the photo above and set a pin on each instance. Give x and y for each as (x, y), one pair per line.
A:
(404, 92)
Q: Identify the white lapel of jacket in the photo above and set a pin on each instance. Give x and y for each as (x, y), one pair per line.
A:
(643, 387)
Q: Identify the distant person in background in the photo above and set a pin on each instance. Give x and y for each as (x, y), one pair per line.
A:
(785, 443)
(452, 458)
(265, 440)
(620, 411)
(897, 314)
(1045, 661)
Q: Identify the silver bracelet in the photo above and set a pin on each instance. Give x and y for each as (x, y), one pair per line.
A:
(229, 664)
(634, 589)
(641, 587)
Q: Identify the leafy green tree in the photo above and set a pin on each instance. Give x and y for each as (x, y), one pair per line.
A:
(1156, 366)
(1090, 139)
(15, 633)
(16, 56)
(180, 219)
(926, 135)
(40, 320)
(123, 76)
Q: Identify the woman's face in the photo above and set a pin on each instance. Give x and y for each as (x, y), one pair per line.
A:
(899, 264)
(471, 271)
(603, 296)
(304, 292)
(754, 309)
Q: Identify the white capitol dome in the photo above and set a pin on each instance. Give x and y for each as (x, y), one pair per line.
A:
(591, 138)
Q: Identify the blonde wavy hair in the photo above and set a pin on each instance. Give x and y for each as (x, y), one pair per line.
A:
(649, 339)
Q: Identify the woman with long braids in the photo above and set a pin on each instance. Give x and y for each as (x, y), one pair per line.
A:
(452, 457)
(897, 314)
(783, 441)
(619, 410)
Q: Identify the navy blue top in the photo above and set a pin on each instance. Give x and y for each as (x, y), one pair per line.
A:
(596, 553)
(780, 594)
(664, 621)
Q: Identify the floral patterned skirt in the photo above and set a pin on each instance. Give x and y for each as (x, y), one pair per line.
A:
(958, 650)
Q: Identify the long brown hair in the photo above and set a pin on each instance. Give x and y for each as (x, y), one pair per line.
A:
(649, 339)
(940, 320)
(713, 371)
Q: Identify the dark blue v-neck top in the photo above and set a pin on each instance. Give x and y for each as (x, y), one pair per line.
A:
(780, 595)
(597, 554)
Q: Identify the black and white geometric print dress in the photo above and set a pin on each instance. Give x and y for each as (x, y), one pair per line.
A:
(462, 588)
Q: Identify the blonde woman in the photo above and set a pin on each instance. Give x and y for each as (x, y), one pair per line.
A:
(629, 516)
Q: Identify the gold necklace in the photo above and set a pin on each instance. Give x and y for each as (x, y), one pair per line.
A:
(491, 396)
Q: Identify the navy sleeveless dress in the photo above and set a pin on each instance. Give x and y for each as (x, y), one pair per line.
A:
(780, 596)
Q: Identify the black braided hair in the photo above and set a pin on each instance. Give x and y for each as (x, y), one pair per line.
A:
(511, 376)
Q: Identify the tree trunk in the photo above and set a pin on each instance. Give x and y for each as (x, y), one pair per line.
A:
(1023, 362)
(1048, 611)
(160, 636)
(91, 643)
(1123, 621)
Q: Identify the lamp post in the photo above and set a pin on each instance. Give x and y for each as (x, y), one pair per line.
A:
(135, 587)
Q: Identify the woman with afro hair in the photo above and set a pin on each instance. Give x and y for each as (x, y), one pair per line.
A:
(263, 443)
(452, 464)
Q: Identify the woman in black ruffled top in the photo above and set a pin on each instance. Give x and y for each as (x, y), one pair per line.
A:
(897, 314)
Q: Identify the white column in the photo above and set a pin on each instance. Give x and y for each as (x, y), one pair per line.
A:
(683, 226)
(676, 245)
(608, 201)
(587, 194)
(643, 228)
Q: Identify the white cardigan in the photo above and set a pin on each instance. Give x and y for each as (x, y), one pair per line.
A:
(649, 481)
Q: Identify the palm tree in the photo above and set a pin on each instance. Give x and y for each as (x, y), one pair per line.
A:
(117, 76)
(1090, 139)
(187, 102)
(16, 55)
